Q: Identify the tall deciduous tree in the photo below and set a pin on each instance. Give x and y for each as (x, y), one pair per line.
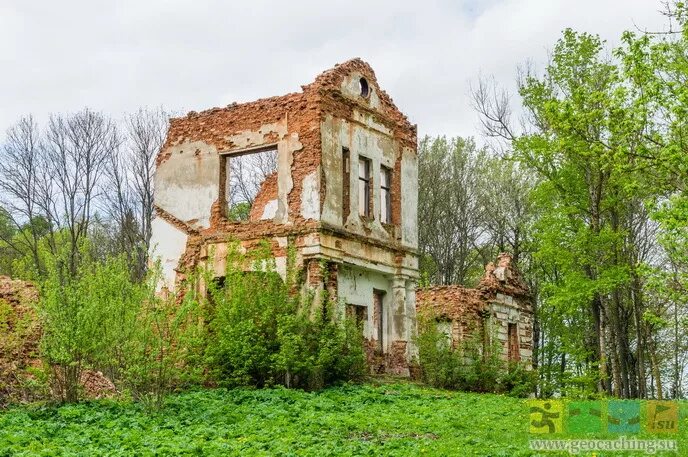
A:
(130, 184)
(449, 208)
(583, 135)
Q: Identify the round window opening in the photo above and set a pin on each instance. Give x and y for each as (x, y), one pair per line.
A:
(365, 90)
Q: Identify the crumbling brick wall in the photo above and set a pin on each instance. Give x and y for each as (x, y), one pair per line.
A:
(501, 294)
(309, 129)
(459, 305)
(292, 119)
(266, 194)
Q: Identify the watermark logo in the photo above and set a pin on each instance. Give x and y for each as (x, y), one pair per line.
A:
(546, 416)
(662, 417)
(623, 417)
(598, 447)
(585, 417)
(551, 420)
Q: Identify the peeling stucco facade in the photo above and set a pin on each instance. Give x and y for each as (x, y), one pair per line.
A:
(500, 308)
(312, 203)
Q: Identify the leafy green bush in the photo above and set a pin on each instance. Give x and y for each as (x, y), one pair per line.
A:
(441, 366)
(98, 317)
(239, 211)
(519, 381)
(251, 329)
(85, 315)
(162, 350)
(263, 332)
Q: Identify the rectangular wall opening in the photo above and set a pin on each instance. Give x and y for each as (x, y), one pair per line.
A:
(250, 184)
(514, 346)
(378, 319)
(385, 195)
(364, 187)
(346, 184)
(358, 314)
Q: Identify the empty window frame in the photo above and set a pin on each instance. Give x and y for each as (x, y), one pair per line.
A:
(385, 195)
(378, 319)
(346, 184)
(359, 314)
(514, 349)
(251, 184)
(364, 186)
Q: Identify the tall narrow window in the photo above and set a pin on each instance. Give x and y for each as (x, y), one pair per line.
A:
(385, 195)
(514, 354)
(346, 184)
(378, 319)
(364, 187)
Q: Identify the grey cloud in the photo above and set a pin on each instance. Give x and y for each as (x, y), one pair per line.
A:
(117, 56)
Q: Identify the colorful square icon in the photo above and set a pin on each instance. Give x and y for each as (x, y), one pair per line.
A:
(662, 416)
(546, 416)
(585, 417)
(623, 416)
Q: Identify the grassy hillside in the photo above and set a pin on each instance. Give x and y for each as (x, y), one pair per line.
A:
(395, 419)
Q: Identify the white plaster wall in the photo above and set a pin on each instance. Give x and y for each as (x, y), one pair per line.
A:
(506, 311)
(331, 161)
(411, 319)
(355, 286)
(369, 141)
(445, 328)
(310, 196)
(186, 184)
(167, 246)
(281, 267)
(269, 210)
(285, 159)
(409, 198)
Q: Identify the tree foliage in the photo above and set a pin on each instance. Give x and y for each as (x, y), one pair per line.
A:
(604, 135)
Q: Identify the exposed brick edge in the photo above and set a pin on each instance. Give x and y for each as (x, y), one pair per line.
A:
(178, 223)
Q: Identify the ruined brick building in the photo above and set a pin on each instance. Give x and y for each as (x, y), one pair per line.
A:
(330, 170)
(500, 307)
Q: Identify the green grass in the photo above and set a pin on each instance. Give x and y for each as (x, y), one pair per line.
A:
(393, 419)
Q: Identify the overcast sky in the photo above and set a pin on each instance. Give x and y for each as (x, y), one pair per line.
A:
(114, 56)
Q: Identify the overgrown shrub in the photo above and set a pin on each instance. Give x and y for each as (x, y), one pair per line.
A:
(162, 350)
(470, 366)
(97, 317)
(251, 329)
(263, 332)
(519, 381)
(85, 314)
(440, 365)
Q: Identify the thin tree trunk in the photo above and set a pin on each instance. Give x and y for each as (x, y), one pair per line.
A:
(614, 360)
(656, 375)
(600, 329)
(640, 343)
